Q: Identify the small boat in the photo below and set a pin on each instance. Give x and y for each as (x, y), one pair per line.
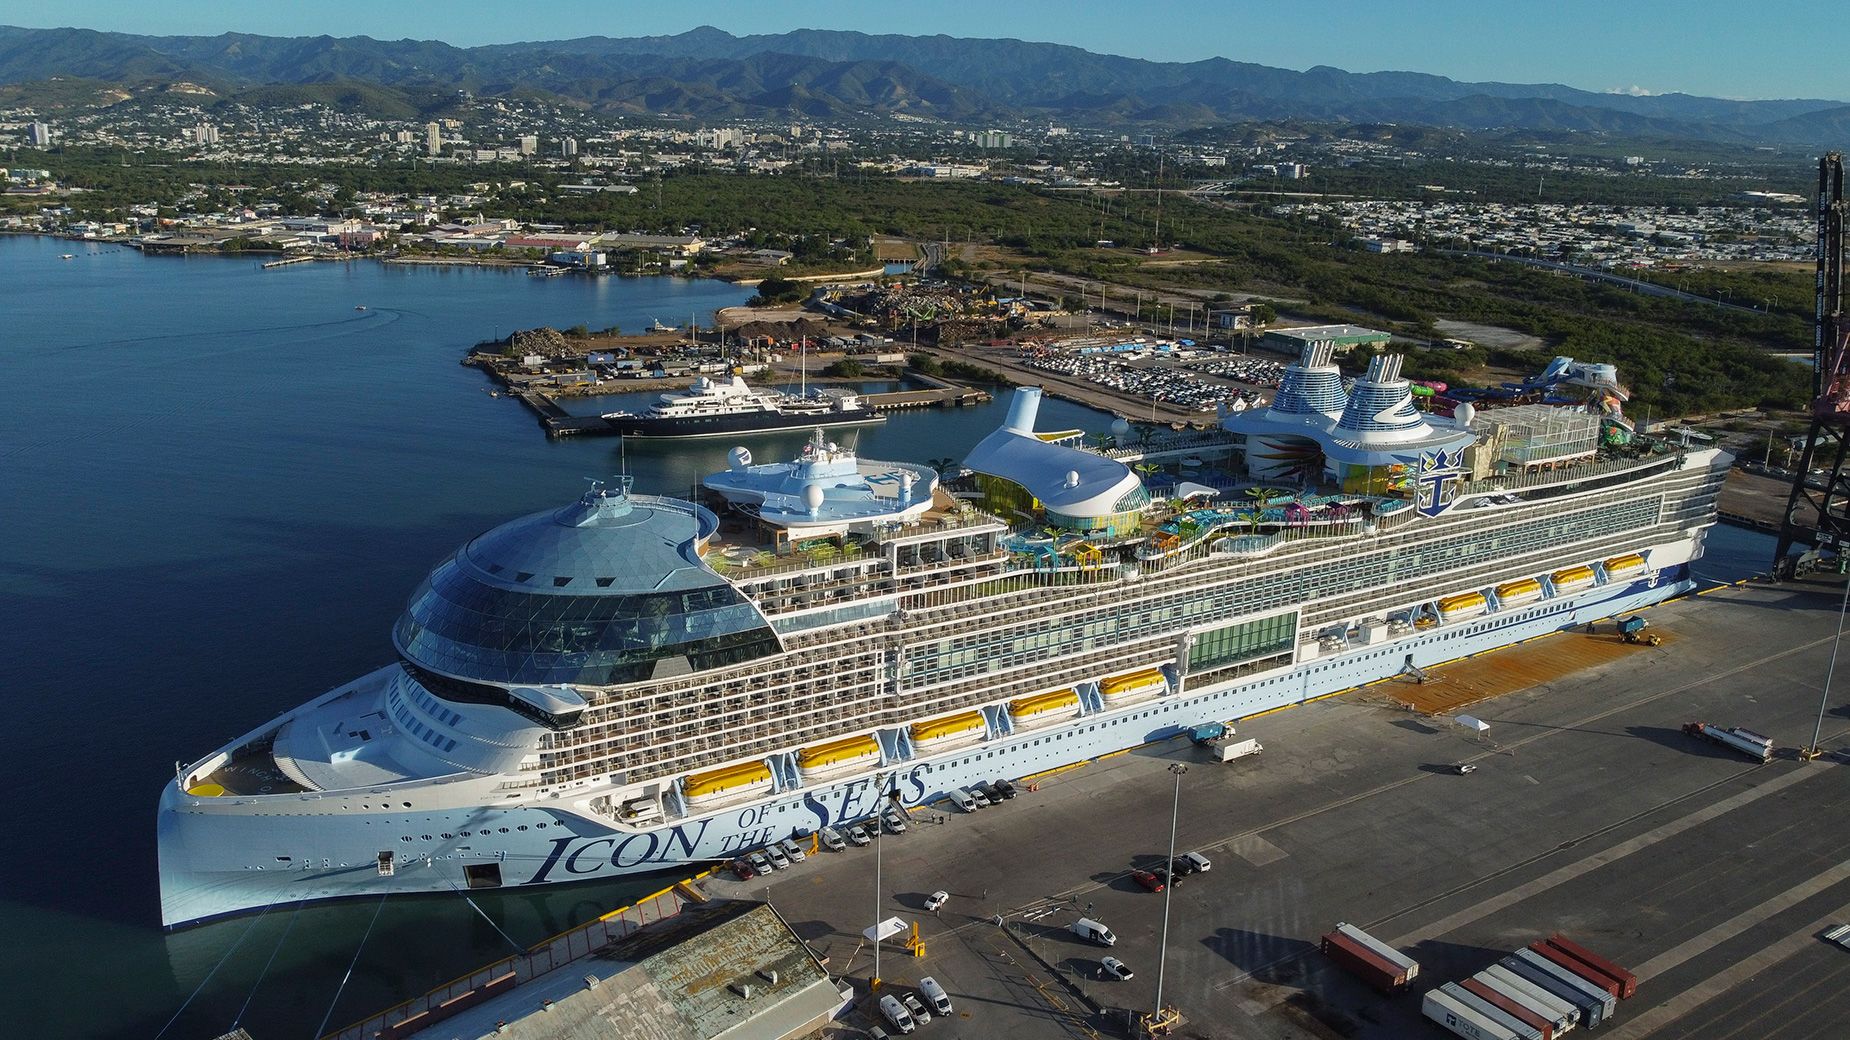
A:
(1620, 568)
(361, 307)
(1134, 686)
(67, 256)
(1516, 593)
(837, 756)
(655, 325)
(726, 784)
(1571, 579)
(1457, 608)
(1043, 708)
(936, 734)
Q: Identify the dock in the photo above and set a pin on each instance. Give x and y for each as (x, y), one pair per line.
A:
(286, 261)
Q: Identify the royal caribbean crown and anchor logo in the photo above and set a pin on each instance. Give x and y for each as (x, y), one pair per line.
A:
(1439, 478)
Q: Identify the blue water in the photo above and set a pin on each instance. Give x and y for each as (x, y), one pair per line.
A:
(217, 486)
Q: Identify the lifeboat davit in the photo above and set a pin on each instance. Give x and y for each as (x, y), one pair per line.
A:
(1134, 686)
(1044, 708)
(949, 731)
(1469, 604)
(732, 782)
(1571, 579)
(1516, 593)
(1621, 568)
(838, 756)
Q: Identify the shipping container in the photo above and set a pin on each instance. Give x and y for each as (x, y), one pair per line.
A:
(1605, 1001)
(1491, 1013)
(1460, 1020)
(1364, 963)
(1510, 1006)
(1387, 953)
(1586, 971)
(1589, 1009)
(1559, 1012)
(1628, 983)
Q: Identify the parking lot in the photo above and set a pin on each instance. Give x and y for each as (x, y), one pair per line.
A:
(1590, 813)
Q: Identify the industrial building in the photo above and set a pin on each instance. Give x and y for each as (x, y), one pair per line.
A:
(727, 970)
(1343, 337)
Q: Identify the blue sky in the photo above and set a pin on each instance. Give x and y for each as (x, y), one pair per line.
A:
(1794, 48)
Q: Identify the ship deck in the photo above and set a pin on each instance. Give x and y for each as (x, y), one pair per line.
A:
(1513, 669)
(251, 770)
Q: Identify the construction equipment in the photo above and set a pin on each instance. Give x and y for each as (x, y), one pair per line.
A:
(1818, 508)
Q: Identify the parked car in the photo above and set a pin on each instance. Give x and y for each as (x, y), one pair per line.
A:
(894, 824)
(937, 899)
(1181, 867)
(857, 834)
(935, 995)
(832, 840)
(976, 794)
(1147, 880)
(914, 1005)
(876, 1033)
(1117, 969)
(777, 857)
(1163, 875)
(991, 792)
(759, 862)
(743, 869)
(1464, 767)
(1006, 789)
(1201, 863)
(793, 850)
(896, 1013)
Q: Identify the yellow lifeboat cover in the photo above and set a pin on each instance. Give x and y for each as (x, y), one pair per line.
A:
(837, 751)
(698, 784)
(950, 725)
(1518, 588)
(1628, 562)
(1572, 574)
(1463, 601)
(1120, 683)
(1044, 702)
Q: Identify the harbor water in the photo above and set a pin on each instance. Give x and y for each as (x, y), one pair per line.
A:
(218, 484)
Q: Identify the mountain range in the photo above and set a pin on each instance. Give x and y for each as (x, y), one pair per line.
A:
(825, 74)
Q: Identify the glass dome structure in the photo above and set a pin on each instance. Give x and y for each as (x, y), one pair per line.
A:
(604, 591)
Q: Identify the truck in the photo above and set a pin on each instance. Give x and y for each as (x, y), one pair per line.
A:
(1597, 1005)
(1459, 1020)
(1364, 963)
(1217, 738)
(1228, 750)
(1490, 1012)
(1632, 630)
(1628, 983)
(1746, 741)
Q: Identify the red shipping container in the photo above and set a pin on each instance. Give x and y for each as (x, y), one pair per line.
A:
(1628, 983)
(1363, 963)
(1586, 971)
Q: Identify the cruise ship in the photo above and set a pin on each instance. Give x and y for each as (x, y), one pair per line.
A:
(731, 408)
(631, 683)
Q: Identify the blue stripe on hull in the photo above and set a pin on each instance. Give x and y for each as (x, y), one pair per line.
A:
(549, 845)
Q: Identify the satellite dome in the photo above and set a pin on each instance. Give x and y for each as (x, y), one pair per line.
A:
(812, 497)
(1072, 478)
(741, 457)
(1463, 414)
(1120, 427)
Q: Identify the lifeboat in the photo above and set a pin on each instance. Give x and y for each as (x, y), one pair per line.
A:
(1619, 568)
(726, 784)
(1469, 604)
(935, 734)
(838, 756)
(1571, 579)
(1135, 686)
(1043, 708)
(1516, 593)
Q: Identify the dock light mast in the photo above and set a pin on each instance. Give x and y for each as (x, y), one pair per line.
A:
(1157, 1018)
(1819, 515)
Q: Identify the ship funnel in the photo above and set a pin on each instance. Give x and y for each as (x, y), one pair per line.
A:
(1022, 409)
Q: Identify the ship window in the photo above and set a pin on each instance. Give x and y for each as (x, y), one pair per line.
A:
(604, 583)
(522, 575)
(559, 583)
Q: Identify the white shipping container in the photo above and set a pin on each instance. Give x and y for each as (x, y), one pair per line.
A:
(1607, 1002)
(1491, 1012)
(1593, 1012)
(1461, 1020)
(1560, 1013)
(1386, 952)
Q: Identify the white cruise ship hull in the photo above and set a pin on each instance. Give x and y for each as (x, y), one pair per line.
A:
(218, 856)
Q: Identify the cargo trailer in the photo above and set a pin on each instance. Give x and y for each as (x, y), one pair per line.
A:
(1364, 963)
(1746, 741)
(1628, 983)
(1606, 1002)
(1387, 953)
(1510, 1006)
(1558, 1011)
(1589, 1005)
(1586, 971)
(1490, 1012)
(1460, 1020)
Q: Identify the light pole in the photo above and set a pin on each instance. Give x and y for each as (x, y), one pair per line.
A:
(1162, 950)
(1824, 699)
(879, 832)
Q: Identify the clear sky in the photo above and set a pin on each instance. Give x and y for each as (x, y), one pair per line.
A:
(1725, 48)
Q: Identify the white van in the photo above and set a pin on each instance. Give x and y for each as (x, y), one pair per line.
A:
(963, 799)
(1201, 862)
(935, 995)
(896, 1013)
(1091, 930)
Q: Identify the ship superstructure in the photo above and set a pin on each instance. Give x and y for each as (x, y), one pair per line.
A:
(631, 682)
(730, 407)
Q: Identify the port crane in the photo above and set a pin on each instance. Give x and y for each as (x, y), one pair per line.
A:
(1818, 508)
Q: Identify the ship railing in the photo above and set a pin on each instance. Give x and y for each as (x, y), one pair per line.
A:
(1567, 474)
